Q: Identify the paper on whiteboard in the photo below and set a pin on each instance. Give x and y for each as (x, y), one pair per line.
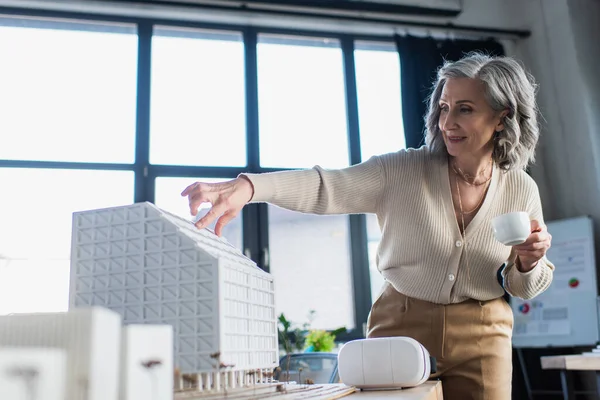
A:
(571, 255)
(573, 259)
(548, 313)
(542, 316)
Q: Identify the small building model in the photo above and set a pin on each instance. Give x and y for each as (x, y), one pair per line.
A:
(84, 353)
(147, 362)
(32, 373)
(90, 337)
(153, 267)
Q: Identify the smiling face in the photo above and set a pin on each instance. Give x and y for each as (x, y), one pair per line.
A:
(467, 121)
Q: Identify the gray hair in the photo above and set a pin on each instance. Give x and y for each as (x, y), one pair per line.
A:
(508, 86)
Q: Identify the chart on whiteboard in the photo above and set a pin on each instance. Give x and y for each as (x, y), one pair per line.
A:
(548, 313)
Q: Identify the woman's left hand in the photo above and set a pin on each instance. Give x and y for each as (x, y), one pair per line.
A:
(534, 248)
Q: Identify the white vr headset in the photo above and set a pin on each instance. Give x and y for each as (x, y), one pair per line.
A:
(384, 363)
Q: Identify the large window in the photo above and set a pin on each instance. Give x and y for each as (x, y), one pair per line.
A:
(303, 122)
(198, 105)
(68, 94)
(67, 91)
(36, 210)
(302, 108)
(310, 259)
(380, 116)
(379, 99)
(100, 114)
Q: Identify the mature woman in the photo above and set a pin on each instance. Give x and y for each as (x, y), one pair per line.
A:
(434, 204)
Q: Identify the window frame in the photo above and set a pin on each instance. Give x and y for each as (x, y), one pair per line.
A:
(255, 216)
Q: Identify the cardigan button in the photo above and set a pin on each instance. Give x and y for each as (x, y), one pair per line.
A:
(458, 243)
(451, 277)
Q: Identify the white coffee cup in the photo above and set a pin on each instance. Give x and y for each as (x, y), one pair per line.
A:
(512, 229)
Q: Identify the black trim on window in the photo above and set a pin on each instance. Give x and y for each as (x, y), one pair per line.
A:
(144, 187)
(254, 216)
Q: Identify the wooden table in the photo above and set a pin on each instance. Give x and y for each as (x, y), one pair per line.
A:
(569, 363)
(430, 390)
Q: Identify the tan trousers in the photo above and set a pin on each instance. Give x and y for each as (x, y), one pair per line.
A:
(471, 341)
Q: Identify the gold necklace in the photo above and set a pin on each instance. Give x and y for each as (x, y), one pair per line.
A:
(462, 219)
(460, 200)
(468, 178)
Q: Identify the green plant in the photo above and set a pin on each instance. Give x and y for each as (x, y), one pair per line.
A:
(284, 333)
(338, 331)
(299, 339)
(300, 334)
(284, 339)
(320, 340)
(293, 339)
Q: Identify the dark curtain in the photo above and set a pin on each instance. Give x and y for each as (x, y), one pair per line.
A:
(420, 59)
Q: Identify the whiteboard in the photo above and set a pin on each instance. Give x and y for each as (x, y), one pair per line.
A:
(566, 314)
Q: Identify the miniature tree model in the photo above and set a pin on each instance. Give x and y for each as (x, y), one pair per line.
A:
(29, 377)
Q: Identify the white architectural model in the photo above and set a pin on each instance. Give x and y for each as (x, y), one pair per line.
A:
(90, 337)
(33, 373)
(85, 353)
(153, 267)
(147, 362)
